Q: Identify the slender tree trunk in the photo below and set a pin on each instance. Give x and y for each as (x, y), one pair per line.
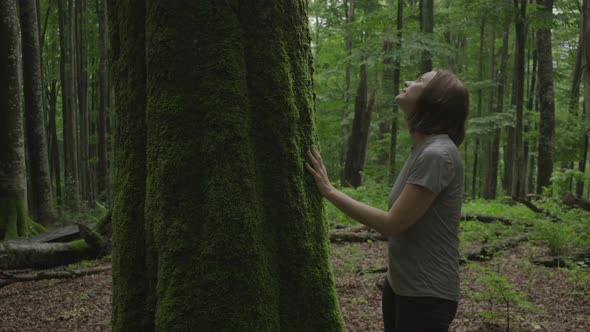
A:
(83, 119)
(519, 165)
(357, 141)
(40, 202)
(426, 26)
(101, 170)
(13, 195)
(217, 132)
(586, 65)
(349, 8)
(574, 108)
(53, 143)
(69, 133)
(532, 105)
(492, 172)
(547, 100)
(395, 92)
(479, 102)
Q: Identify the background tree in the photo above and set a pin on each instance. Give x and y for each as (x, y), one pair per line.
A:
(547, 99)
(39, 197)
(13, 196)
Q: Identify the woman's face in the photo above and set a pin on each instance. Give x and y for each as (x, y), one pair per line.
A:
(412, 90)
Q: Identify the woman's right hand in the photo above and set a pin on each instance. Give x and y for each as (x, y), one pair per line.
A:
(319, 173)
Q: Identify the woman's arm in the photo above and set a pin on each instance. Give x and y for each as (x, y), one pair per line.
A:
(412, 203)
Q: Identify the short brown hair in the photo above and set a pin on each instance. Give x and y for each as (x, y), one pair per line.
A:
(442, 107)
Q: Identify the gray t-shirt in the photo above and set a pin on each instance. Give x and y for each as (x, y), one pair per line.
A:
(424, 259)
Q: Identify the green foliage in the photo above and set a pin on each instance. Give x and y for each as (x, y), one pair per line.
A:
(570, 235)
(475, 231)
(371, 193)
(501, 294)
(557, 237)
(499, 207)
(561, 180)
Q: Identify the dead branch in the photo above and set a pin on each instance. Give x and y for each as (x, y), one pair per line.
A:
(487, 251)
(562, 261)
(9, 278)
(576, 202)
(536, 209)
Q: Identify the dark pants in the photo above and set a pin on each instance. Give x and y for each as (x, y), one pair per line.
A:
(416, 314)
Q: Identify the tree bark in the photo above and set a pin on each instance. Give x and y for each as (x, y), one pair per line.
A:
(39, 198)
(134, 264)
(547, 100)
(13, 195)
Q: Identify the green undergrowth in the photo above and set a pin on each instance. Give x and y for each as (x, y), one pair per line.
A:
(571, 234)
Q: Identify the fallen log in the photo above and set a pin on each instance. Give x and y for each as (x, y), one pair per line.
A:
(43, 250)
(487, 251)
(8, 278)
(346, 235)
(562, 261)
(536, 209)
(64, 234)
(576, 202)
(485, 218)
(17, 255)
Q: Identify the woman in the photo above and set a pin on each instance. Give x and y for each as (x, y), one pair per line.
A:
(422, 285)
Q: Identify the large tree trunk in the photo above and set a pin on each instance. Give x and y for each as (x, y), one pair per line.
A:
(395, 91)
(493, 156)
(39, 199)
(102, 178)
(357, 141)
(519, 162)
(547, 102)
(426, 26)
(13, 210)
(229, 206)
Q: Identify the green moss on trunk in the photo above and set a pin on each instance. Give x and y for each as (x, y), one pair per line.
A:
(279, 66)
(216, 267)
(234, 225)
(131, 299)
(13, 218)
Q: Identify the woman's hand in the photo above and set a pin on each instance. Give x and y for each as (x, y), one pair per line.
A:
(319, 173)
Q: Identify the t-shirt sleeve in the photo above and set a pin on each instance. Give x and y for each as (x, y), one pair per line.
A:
(432, 169)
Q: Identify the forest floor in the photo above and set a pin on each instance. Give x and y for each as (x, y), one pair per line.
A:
(562, 297)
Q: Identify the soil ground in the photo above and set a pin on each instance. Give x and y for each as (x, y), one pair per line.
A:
(83, 304)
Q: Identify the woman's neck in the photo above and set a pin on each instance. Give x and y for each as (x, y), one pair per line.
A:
(417, 138)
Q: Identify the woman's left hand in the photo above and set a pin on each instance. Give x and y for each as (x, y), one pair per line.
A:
(319, 173)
